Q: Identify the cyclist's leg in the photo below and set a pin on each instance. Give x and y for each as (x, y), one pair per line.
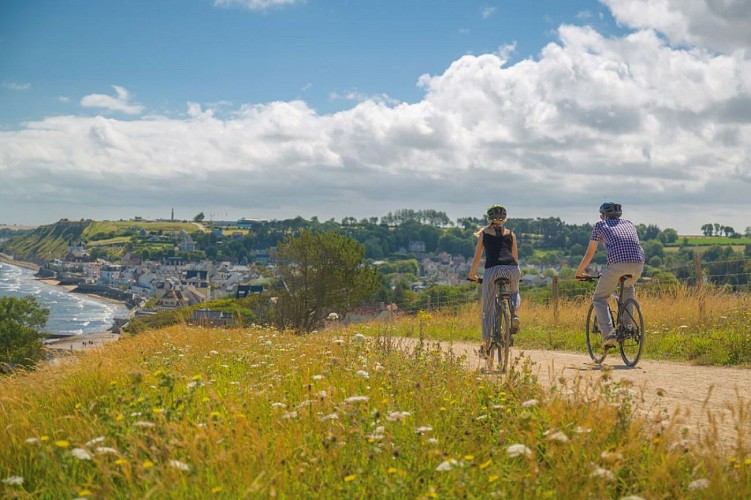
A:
(605, 286)
(488, 307)
(629, 286)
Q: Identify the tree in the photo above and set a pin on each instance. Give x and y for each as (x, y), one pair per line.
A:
(199, 217)
(321, 273)
(20, 338)
(707, 229)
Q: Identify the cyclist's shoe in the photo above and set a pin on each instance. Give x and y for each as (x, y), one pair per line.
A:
(610, 341)
(515, 324)
(481, 352)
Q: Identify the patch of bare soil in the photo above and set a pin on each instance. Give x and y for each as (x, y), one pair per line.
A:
(713, 404)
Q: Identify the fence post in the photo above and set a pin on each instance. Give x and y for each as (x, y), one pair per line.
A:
(555, 299)
(697, 270)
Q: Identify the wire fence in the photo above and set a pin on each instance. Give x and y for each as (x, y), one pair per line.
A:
(730, 276)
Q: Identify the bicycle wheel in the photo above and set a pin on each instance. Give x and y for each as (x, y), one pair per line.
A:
(594, 337)
(504, 341)
(631, 341)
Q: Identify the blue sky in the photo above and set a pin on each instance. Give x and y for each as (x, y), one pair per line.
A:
(279, 108)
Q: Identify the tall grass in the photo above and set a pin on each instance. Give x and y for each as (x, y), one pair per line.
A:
(706, 326)
(186, 412)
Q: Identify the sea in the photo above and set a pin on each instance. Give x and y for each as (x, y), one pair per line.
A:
(70, 313)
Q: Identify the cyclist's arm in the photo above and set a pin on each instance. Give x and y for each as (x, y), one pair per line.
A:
(514, 250)
(588, 255)
(476, 261)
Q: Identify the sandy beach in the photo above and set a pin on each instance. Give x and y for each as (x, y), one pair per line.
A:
(84, 342)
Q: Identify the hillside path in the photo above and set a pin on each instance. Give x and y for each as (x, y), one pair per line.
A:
(692, 396)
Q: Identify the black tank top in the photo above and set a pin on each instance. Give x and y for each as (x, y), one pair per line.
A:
(498, 249)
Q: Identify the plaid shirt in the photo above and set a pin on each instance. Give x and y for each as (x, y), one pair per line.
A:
(621, 240)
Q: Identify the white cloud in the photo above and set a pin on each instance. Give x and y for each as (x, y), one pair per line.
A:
(722, 25)
(257, 4)
(117, 103)
(17, 86)
(487, 12)
(665, 131)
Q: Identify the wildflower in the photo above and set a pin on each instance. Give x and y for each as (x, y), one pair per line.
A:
(331, 416)
(481, 417)
(105, 450)
(363, 374)
(529, 403)
(317, 377)
(358, 336)
(84, 493)
(558, 436)
(31, 440)
(193, 385)
(147, 464)
(582, 430)
(517, 450)
(144, 424)
(397, 416)
(485, 464)
(13, 481)
(62, 443)
(492, 479)
(278, 405)
(699, 484)
(356, 399)
(176, 464)
(96, 440)
(289, 415)
(424, 429)
(338, 341)
(80, 454)
(216, 489)
(332, 316)
(433, 441)
(447, 465)
(349, 478)
(213, 353)
(196, 377)
(601, 473)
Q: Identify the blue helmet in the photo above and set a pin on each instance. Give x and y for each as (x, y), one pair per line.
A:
(611, 210)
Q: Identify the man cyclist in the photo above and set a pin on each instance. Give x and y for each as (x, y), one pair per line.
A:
(501, 261)
(625, 256)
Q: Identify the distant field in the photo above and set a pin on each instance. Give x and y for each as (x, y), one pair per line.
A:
(712, 240)
(165, 226)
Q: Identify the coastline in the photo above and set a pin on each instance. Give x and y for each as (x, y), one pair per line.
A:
(9, 259)
(75, 341)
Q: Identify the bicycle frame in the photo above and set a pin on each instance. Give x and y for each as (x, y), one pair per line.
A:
(501, 340)
(630, 338)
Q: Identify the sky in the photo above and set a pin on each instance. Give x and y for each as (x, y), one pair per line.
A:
(274, 109)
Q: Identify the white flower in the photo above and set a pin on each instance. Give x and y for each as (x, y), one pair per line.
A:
(582, 430)
(338, 341)
(105, 450)
(481, 417)
(176, 464)
(331, 416)
(529, 403)
(144, 424)
(433, 441)
(424, 429)
(290, 414)
(317, 377)
(332, 317)
(80, 454)
(193, 384)
(397, 416)
(611, 456)
(518, 450)
(13, 480)
(31, 440)
(559, 436)
(359, 336)
(447, 465)
(357, 399)
(278, 405)
(699, 484)
(363, 374)
(323, 394)
(96, 440)
(213, 353)
(601, 473)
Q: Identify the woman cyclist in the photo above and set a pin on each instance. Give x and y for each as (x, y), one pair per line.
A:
(501, 261)
(625, 256)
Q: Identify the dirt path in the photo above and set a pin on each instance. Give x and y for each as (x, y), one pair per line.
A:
(704, 399)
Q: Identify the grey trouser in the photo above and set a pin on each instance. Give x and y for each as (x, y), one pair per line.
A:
(607, 284)
(488, 294)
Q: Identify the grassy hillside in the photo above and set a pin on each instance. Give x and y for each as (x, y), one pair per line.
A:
(256, 413)
(46, 242)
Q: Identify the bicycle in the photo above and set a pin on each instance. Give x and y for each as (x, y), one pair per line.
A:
(630, 338)
(501, 339)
